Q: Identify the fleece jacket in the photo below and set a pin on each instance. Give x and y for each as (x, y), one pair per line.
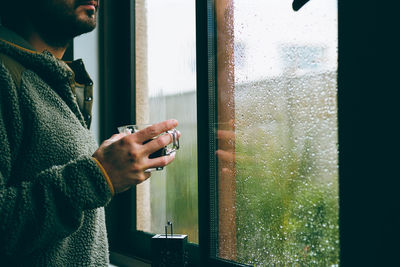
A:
(52, 193)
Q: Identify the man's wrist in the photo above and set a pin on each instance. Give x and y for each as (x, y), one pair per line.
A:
(110, 185)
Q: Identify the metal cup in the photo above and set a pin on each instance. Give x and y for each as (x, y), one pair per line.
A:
(165, 151)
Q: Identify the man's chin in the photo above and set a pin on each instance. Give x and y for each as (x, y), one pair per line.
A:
(84, 25)
(58, 38)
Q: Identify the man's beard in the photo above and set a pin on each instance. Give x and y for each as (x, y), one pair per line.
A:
(58, 24)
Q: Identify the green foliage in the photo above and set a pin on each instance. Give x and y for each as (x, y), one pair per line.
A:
(286, 174)
(182, 185)
(286, 214)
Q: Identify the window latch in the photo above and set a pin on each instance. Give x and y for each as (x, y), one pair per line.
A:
(297, 4)
(166, 229)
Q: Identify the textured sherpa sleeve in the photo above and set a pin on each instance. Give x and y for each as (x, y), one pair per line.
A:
(36, 212)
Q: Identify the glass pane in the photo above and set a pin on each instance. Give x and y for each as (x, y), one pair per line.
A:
(86, 47)
(166, 88)
(277, 132)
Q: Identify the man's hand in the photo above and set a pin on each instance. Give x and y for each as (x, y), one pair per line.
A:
(125, 158)
(226, 150)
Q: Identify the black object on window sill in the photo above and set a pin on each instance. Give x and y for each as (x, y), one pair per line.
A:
(169, 249)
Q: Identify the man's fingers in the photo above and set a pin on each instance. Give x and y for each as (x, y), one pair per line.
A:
(154, 130)
(158, 143)
(226, 135)
(225, 155)
(160, 161)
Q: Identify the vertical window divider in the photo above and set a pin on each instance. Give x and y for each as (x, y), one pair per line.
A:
(205, 65)
(132, 15)
(212, 124)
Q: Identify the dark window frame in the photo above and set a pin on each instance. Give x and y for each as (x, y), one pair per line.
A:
(360, 72)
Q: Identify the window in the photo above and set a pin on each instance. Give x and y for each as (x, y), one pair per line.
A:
(166, 88)
(85, 47)
(295, 142)
(276, 184)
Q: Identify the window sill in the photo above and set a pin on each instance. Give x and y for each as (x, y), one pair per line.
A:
(119, 260)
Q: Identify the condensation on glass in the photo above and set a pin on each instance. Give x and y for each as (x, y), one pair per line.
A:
(166, 88)
(277, 133)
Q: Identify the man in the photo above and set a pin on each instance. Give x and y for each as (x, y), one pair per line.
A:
(54, 180)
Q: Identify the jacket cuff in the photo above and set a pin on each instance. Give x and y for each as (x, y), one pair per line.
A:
(110, 185)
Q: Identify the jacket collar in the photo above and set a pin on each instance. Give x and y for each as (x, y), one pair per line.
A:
(55, 72)
(13, 38)
(51, 69)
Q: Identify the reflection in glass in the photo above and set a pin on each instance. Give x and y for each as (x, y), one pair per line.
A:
(166, 88)
(277, 137)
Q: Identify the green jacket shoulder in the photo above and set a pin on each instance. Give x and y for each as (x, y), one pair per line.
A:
(14, 67)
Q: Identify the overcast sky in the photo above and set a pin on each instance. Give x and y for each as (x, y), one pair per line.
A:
(262, 27)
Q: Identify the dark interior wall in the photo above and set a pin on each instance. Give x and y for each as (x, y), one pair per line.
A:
(368, 136)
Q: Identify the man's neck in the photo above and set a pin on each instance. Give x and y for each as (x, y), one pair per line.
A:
(31, 35)
(40, 45)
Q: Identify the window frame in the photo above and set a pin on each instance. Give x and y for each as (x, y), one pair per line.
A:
(358, 78)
